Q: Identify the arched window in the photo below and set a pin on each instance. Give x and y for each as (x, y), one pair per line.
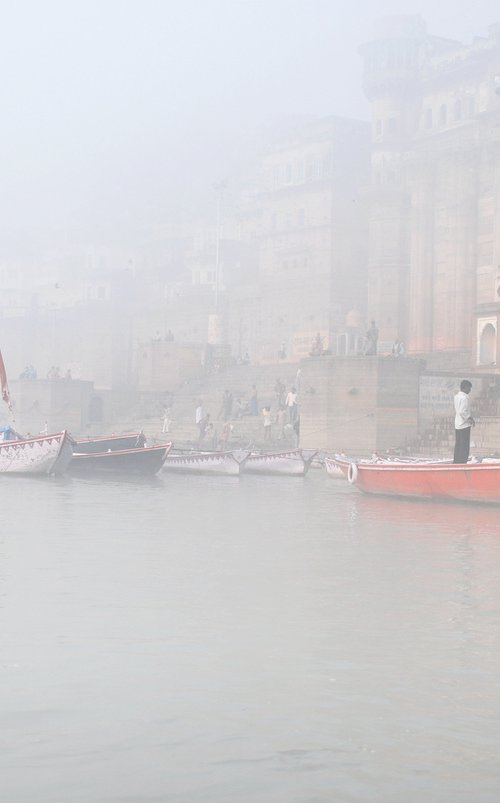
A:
(443, 114)
(488, 345)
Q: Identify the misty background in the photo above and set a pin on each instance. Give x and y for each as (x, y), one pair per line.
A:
(119, 117)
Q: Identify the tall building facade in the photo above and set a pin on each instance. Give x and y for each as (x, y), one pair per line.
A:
(308, 225)
(434, 214)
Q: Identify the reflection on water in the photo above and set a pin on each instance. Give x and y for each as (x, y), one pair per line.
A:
(443, 517)
(246, 639)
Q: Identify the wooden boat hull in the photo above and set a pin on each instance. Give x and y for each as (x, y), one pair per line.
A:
(473, 482)
(342, 462)
(112, 443)
(45, 454)
(227, 463)
(334, 469)
(294, 463)
(145, 461)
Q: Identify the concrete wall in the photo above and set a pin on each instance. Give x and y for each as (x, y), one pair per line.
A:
(163, 365)
(60, 404)
(359, 404)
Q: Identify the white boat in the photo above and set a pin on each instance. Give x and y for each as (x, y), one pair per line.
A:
(333, 469)
(43, 454)
(295, 462)
(229, 463)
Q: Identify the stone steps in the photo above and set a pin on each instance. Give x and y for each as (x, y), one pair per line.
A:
(238, 380)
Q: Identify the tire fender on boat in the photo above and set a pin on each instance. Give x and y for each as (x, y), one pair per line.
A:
(352, 473)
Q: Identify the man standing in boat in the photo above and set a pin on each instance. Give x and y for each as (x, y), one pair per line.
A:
(463, 422)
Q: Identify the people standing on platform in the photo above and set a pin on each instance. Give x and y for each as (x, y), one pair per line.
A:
(398, 348)
(291, 405)
(209, 432)
(463, 422)
(317, 346)
(200, 419)
(279, 390)
(226, 406)
(281, 421)
(225, 436)
(166, 419)
(266, 414)
(371, 340)
(253, 404)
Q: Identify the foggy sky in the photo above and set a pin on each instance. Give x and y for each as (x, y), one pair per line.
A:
(119, 116)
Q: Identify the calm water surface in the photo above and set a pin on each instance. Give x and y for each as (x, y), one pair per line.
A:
(252, 640)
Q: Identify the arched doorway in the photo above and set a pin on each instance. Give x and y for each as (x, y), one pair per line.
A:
(488, 345)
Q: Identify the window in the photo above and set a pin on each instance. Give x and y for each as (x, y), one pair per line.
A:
(392, 125)
(443, 114)
(458, 109)
(428, 118)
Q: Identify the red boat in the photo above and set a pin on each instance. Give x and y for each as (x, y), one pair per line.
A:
(342, 463)
(473, 482)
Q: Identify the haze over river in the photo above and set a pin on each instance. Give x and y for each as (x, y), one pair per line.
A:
(246, 640)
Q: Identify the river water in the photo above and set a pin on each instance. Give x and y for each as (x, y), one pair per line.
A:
(246, 640)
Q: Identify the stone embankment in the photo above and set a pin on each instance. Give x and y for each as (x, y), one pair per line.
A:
(239, 380)
(356, 405)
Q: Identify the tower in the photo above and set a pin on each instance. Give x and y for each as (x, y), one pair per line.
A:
(390, 81)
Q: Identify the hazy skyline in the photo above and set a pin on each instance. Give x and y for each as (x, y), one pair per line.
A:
(116, 113)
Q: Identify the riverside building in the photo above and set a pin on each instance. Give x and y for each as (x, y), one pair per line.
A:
(308, 224)
(434, 212)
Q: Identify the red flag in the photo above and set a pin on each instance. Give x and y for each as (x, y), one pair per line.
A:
(3, 384)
